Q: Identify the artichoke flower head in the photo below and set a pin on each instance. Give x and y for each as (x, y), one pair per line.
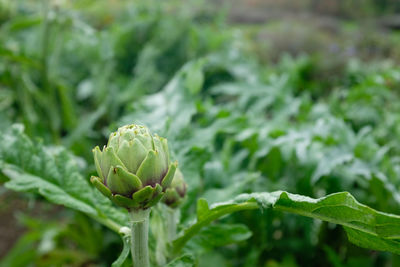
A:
(175, 194)
(134, 168)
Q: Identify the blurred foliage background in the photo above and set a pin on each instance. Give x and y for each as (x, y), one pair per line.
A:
(252, 95)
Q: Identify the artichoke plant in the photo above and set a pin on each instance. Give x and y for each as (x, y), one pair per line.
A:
(175, 194)
(134, 168)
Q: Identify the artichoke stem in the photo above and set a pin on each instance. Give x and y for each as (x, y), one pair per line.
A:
(140, 236)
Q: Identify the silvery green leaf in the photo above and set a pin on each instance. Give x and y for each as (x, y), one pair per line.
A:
(54, 174)
(365, 226)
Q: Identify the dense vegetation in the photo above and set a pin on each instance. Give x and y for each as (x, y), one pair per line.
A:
(311, 125)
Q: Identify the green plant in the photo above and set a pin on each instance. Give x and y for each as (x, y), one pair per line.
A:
(244, 132)
(364, 226)
(135, 171)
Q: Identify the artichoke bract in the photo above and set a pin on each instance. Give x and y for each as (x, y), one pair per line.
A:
(175, 194)
(134, 168)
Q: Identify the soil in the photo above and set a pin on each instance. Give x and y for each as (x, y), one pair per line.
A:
(10, 229)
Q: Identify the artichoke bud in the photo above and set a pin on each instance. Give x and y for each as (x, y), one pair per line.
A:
(175, 194)
(134, 168)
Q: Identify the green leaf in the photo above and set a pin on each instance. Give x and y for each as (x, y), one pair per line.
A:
(329, 163)
(124, 254)
(195, 77)
(366, 227)
(370, 241)
(207, 217)
(23, 251)
(183, 261)
(221, 235)
(202, 208)
(85, 126)
(54, 174)
(177, 100)
(24, 182)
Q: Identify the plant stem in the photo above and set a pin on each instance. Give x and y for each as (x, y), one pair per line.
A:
(139, 238)
(172, 219)
(180, 242)
(51, 107)
(108, 223)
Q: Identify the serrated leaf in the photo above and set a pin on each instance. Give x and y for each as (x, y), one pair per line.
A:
(54, 174)
(330, 162)
(372, 229)
(23, 182)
